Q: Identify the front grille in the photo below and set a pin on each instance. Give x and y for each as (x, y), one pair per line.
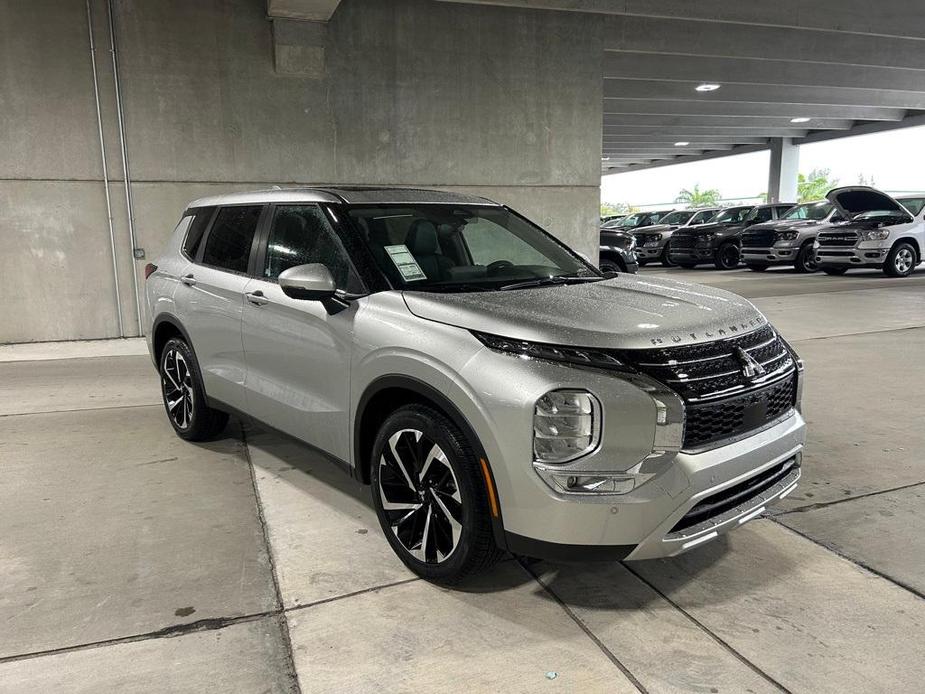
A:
(682, 241)
(838, 238)
(758, 239)
(729, 498)
(645, 238)
(722, 402)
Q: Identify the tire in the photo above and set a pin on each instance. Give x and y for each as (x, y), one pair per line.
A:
(666, 260)
(901, 260)
(184, 397)
(727, 257)
(835, 271)
(806, 259)
(611, 266)
(757, 268)
(428, 506)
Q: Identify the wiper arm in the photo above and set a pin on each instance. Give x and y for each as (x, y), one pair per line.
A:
(550, 281)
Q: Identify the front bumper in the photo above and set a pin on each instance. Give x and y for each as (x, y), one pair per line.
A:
(651, 253)
(642, 524)
(775, 255)
(692, 256)
(864, 254)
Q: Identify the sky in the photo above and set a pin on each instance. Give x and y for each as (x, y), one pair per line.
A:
(893, 159)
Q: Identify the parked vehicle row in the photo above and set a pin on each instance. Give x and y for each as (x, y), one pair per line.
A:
(856, 226)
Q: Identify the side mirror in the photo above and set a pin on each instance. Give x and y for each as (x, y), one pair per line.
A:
(311, 282)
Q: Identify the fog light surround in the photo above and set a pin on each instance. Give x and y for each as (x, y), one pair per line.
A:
(602, 483)
(566, 426)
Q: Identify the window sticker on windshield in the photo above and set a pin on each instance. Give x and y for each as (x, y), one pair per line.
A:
(405, 262)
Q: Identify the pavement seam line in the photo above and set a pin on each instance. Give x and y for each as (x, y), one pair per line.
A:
(703, 627)
(587, 630)
(362, 591)
(851, 560)
(81, 409)
(835, 502)
(860, 333)
(278, 595)
(171, 631)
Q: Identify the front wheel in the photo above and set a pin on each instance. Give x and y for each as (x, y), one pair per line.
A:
(835, 271)
(806, 259)
(184, 395)
(430, 495)
(611, 266)
(901, 261)
(727, 257)
(666, 258)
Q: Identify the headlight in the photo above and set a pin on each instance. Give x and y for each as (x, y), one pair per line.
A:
(786, 235)
(566, 425)
(575, 356)
(875, 234)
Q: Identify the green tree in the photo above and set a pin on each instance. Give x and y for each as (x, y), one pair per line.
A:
(611, 208)
(699, 198)
(815, 185)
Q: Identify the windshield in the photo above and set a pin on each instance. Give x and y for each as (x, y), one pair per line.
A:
(612, 223)
(733, 215)
(914, 205)
(462, 248)
(814, 210)
(679, 217)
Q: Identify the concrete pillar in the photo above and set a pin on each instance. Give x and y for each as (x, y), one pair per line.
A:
(783, 170)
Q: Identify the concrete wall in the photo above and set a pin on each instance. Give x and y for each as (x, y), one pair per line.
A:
(498, 101)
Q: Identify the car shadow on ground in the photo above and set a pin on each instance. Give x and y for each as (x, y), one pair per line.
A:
(593, 585)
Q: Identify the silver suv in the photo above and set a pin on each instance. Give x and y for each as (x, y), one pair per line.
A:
(789, 240)
(493, 388)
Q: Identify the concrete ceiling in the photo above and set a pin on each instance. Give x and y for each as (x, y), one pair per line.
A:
(310, 10)
(846, 65)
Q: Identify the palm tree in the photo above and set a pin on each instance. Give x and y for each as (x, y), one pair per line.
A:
(815, 185)
(698, 198)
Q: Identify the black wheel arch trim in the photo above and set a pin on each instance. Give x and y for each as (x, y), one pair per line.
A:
(427, 391)
(173, 321)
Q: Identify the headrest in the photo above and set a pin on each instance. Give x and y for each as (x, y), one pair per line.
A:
(422, 238)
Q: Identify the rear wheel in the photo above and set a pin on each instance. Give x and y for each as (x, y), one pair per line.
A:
(806, 259)
(757, 268)
(430, 495)
(184, 395)
(835, 270)
(727, 257)
(901, 261)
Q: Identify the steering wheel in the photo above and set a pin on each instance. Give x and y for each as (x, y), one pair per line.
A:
(497, 266)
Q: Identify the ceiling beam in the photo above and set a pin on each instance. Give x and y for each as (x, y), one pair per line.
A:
(732, 108)
(886, 17)
(685, 132)
(310, 10)
(709, 122)
(669, 88)
(702, 141)
(750, 71)
(863, 129)
(718, 40)
(747, 149)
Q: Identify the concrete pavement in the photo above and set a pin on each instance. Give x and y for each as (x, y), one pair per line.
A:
(133, 561)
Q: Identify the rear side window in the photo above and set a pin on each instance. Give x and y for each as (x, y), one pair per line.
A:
(228, 245)
(196, 230)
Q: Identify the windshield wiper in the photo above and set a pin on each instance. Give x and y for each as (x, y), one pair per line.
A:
(550, 281)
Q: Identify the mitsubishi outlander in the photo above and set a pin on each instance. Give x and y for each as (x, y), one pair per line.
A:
(494, 389)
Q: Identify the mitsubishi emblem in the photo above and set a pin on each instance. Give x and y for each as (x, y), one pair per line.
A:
(751, 368)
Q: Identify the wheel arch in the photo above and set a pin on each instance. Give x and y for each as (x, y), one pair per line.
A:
(165, 327)
(914, 242)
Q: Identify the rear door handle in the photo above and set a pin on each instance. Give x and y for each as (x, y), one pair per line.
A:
(188, 280)
(256, 298)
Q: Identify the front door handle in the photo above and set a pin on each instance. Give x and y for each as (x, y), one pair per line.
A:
(188, 280)
(256, 298)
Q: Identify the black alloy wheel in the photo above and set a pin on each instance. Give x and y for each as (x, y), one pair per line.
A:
(806, 259)
(727, 257)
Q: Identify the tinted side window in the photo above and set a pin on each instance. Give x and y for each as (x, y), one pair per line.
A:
(299, 235)
(196, 230)
(763, 215)
(228, 245)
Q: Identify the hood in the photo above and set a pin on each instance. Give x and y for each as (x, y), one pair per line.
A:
(711, 228)
(787, 224)
(853, 200)
(625, 312)
(655, 229)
